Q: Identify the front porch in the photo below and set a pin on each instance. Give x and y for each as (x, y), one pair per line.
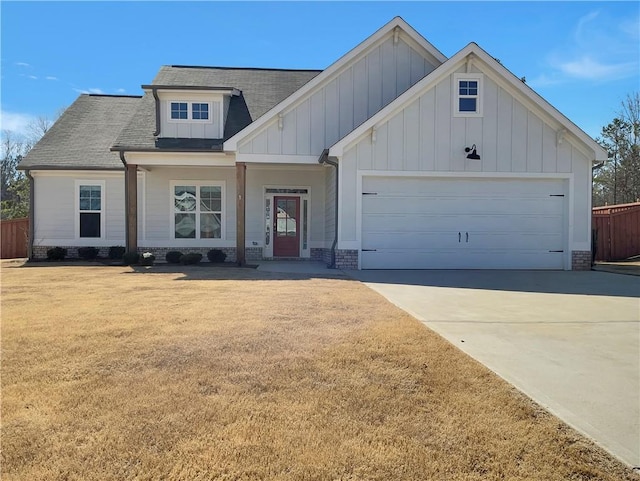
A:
(252, 212)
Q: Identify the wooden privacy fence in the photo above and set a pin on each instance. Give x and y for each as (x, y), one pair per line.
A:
(616, 230)
(14, 238)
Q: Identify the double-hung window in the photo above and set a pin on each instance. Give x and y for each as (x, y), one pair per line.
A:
(467, 95)
(197, 210)
(90, 204)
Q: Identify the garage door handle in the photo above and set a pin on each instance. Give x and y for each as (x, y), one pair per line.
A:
(467, 237)
(459, 236)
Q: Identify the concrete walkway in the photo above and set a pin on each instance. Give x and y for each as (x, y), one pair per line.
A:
(569, 340)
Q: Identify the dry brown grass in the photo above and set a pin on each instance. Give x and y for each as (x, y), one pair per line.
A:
(233, 374)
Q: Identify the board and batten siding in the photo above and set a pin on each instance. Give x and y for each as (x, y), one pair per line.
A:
(354, 95)
(425, 137)
(159, 202)
(55, 208)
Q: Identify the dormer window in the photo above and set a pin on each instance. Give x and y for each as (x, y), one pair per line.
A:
(179, 111)
(189, 111)
(200, 111)
(467, 98)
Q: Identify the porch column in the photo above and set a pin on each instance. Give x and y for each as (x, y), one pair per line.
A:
(241, 187)
(131, 207)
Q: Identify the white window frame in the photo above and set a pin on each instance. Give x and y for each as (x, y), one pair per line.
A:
(478, 77)
(172, 212)
(190, 111)
(77, 211)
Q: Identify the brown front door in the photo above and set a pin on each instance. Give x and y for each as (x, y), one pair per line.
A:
(286, 227)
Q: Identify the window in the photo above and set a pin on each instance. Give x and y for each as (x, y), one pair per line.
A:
(190, 110)
(179, 110)
(90, 210)
(200, 111)
(197, 211)
(468, 95)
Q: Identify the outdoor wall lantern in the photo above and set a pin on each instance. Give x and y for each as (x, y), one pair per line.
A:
(473, 155)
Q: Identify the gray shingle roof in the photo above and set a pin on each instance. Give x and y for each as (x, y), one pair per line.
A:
(81, 137)
(261, 89)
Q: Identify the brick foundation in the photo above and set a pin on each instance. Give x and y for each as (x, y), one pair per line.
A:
(347, 259)
(40, 252)
(581, 260)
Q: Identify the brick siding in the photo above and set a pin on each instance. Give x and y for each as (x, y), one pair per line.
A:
(347, 259)
(581, 260)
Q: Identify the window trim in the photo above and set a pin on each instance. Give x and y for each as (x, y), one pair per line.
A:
(190, 111)
(478, 77)
(172, 212)
(92, 183)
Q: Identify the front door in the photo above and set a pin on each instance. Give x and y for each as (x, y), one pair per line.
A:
(286, 227)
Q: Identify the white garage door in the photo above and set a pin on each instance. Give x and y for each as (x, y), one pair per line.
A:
(426, 223)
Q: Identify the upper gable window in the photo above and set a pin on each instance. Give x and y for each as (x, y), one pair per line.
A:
(190, 111)
(467, 95)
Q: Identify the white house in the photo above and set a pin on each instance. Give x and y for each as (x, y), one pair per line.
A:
(392, 157)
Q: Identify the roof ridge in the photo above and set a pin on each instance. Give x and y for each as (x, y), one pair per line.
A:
(114, 95)
(246, 68)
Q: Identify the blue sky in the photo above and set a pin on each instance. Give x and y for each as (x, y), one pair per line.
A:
(583, 57)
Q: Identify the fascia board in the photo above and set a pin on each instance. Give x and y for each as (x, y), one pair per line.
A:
(522, 88)
(337, 150)
(326, 75)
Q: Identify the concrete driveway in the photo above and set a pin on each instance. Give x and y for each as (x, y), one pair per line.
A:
(569, 340)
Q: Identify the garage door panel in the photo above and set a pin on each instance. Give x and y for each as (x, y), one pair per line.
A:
(463, 205)
(412, 240)
(451, 259)
(426, 223)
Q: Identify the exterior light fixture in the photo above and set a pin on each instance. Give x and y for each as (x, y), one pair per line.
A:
(474, 154)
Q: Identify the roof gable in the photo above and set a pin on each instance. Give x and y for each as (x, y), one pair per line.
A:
(396, 27)
(498, 72)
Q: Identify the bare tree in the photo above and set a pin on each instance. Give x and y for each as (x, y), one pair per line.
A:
(618, 180)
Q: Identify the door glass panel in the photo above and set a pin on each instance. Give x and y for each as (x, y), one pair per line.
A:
(286, 213)
(291, 218)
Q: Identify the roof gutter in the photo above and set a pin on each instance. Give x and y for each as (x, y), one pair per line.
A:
(32, 209)
(154, 91)
(324, 160)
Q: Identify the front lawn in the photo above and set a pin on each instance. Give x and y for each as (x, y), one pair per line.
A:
(198, 373)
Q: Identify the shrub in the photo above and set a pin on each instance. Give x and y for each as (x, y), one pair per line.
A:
(116, 252)
(191, 258)
(216, 255)
(147, 259)
(130, 258)
(88, 253)
(56, 253)
(173, 257)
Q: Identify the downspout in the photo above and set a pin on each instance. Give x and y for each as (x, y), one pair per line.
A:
(157, 100)
(32, 223)
(126, 200)
(324, 159)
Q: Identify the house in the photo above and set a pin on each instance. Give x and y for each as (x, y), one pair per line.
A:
(393, 157)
